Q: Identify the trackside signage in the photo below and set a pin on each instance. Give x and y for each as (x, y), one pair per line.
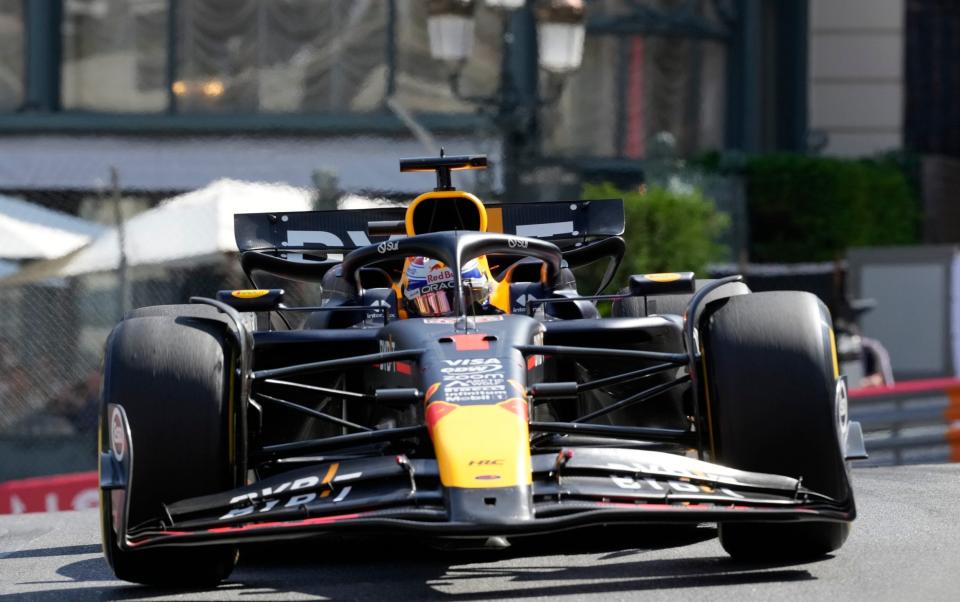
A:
(78, 491)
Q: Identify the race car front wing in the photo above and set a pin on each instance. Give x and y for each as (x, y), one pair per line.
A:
(571, 488)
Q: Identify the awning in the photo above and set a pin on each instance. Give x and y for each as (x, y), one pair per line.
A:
(360, 163)
(191, 226)
(31, 231)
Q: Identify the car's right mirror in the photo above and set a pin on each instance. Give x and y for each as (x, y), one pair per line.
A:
(668, 283)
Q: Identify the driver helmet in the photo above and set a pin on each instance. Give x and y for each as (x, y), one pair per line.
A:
(428, 286)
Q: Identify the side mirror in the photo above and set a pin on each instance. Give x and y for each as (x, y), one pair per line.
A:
(669, 283)
(252, 299)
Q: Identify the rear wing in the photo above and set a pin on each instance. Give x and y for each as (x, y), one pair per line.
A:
(564, 223)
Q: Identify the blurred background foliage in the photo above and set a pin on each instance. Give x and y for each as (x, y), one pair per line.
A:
(808, 208)
(668, 228)
(798, 208)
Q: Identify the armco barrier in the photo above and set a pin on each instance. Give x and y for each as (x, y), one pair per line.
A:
(76, 491)
(911, 422)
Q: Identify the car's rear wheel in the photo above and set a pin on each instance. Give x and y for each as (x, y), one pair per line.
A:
(171, 374)
(772, 402)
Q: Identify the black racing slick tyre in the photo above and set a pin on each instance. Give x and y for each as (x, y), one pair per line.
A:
(185, 310)
(771, 395)
(171, 375)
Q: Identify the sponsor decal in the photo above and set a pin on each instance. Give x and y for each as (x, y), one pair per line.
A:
(387, 246)
(494, 462)
(651, 484)
(672, 471)
(440, 320)
(546, 229)
(535, 360)
(118, 434)
(345, 239)
(470, 369)
(472, 366)
(474, 379)
(438, 272)
(414, 292)
(520, 303)
(474, 361)
(249, 293)
(386, 346)
(378, 315)
(289, 494)
(517, 243)
(477, 320)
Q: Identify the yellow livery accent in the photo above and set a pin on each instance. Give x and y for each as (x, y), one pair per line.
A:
(249, 293)
(331, 471)
(444, 194)
(482, 446)
(663, 277)
(500, 298)
(495, 219)
(833, 355)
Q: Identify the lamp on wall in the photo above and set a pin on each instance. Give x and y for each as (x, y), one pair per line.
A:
(505, 4)
(554, 30)
(560, 34)
(560, 30)
(450, 29)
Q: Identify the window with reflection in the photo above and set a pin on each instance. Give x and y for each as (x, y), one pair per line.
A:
(281, 55)
(422, 82)
(114, 55)
(11, 54)
(255, 56)
(650, 85)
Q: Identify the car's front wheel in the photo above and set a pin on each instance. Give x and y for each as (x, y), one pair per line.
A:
(171, 376)
(772, 400)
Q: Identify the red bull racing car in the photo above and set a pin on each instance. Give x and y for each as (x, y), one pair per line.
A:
(453, 383)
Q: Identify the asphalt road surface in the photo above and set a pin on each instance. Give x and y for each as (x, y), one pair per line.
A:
(905, 545)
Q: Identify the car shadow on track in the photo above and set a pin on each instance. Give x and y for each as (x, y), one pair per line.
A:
(576, 563)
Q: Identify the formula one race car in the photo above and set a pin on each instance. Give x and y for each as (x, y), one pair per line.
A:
(452, 383)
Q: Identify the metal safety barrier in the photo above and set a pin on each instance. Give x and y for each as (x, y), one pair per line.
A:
(912, 422)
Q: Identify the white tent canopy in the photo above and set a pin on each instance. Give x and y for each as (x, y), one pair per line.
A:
(190, 226)
(31, 231)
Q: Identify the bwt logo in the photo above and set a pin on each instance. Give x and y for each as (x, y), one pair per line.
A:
(387, 245)
(517, 243)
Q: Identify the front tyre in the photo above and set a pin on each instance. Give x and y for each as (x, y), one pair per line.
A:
(771, 376)
(171, 375)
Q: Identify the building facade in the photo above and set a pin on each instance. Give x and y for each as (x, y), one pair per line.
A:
(174, 93)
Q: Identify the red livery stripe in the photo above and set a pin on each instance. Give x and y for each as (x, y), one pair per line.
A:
(470, 342)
